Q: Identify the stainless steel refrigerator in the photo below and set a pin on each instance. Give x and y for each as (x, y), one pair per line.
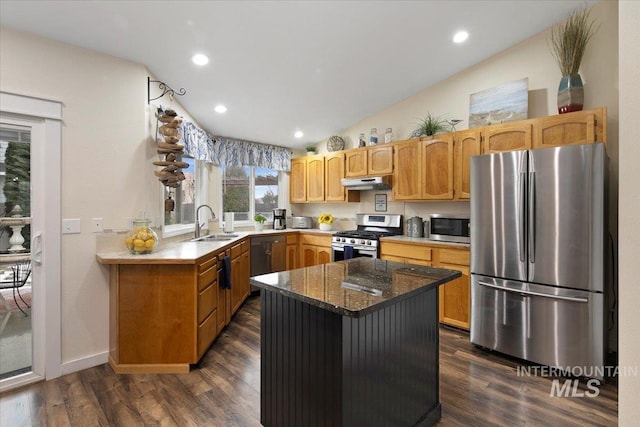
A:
(538, 254)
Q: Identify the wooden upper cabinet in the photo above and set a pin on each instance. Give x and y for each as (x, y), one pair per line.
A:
(375, 160)
(580, 127)
(437, 168)
(240, 288)
(298, 180)
(315, 178)
(334, 172)
(507, 137)
(408, 170)
(380, 160)
(466, 144)
(355, 162)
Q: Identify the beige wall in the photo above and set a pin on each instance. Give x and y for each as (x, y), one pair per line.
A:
(629, 387)
(106, 163)
(531, 58)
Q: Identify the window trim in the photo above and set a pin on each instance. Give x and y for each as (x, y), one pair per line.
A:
(252, 193)
(172, 230)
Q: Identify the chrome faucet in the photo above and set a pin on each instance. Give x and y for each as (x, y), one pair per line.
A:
(198, 226)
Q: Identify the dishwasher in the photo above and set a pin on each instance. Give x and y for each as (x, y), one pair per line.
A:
(268, 255)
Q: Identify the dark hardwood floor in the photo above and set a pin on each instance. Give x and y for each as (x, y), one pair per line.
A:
(477, 388)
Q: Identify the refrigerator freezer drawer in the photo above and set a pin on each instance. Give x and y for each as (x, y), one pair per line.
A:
(542, 324)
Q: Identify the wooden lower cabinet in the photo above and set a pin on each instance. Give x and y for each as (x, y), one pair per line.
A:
(240, 273)
(314, 249)
(454, 297)
(164, 317)
(292, 251)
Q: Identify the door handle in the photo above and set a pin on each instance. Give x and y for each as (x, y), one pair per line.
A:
(36, 249)
(532, 217)
(521, 210)
(535, 294)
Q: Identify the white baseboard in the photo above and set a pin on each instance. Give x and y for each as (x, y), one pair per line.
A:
(85, 363)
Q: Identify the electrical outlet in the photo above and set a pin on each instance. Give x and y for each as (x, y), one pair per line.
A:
(96, 225)
(71, 226)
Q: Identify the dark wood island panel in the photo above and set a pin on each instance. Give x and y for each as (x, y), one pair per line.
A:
(353, 343)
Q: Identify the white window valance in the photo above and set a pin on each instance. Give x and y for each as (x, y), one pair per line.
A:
(235, 152)
(197, 143)
(222, 151)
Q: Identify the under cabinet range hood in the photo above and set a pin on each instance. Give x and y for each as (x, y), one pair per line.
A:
(367, 183)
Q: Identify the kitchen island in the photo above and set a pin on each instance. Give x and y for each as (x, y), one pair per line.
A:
(351, 343)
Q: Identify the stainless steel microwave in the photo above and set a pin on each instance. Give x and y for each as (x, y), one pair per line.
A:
(449, 228)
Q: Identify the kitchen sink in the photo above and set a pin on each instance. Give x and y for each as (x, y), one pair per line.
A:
(215, 238)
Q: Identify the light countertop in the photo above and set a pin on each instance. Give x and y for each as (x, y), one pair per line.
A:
(422, 241)
(186, 251)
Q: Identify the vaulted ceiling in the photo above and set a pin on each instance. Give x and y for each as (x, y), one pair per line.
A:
(282, 66)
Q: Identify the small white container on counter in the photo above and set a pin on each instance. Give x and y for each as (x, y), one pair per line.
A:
(228, 222)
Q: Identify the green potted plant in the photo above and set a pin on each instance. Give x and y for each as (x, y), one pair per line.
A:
(568, 43)
(428, 126)
(311, 150)
(260, 220)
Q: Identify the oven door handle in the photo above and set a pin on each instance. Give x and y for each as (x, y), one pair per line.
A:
(355, 248)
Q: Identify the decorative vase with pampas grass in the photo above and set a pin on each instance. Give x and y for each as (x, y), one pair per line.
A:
(569, 41)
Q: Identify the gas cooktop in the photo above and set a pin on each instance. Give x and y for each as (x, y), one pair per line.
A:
(373, 226)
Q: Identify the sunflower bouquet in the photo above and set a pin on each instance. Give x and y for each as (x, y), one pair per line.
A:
(325, 218)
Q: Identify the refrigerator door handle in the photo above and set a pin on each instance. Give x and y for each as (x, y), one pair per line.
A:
(521, 210)
(534, 294)
(532, 217)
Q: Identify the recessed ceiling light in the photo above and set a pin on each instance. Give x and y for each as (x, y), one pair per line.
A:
(200, 59)
(460, 36)
(220, 109)
(298, 134)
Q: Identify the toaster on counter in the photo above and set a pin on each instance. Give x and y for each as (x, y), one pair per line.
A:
(301, 222)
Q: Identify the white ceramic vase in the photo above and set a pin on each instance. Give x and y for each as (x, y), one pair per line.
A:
(259, 226)
(325, 227)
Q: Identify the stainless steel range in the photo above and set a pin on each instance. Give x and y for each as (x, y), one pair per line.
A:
(364, 241)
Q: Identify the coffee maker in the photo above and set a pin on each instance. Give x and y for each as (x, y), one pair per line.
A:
(279, 219)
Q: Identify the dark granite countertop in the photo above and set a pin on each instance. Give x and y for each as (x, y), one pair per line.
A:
(355, 287)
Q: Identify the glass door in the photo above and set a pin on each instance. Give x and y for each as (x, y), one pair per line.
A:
(16, 327)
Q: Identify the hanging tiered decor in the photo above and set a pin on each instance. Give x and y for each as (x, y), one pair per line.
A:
(171, 173)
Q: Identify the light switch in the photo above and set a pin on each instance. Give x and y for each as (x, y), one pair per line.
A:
(71, 226)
